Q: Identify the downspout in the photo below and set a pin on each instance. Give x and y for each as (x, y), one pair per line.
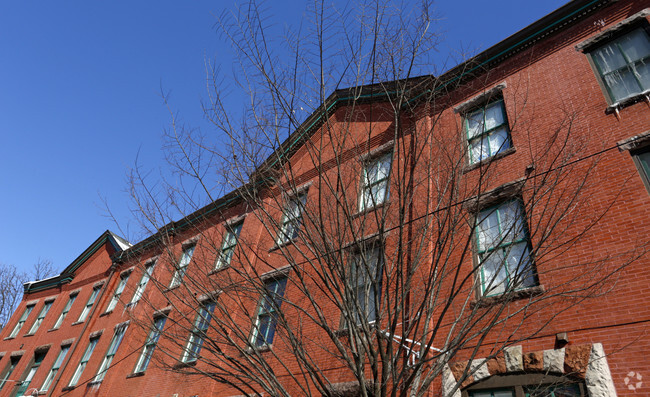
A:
(91, 318)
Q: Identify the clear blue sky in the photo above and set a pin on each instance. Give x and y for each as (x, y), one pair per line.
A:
(79, 99)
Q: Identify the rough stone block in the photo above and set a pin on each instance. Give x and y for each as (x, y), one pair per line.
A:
(554, 360)
(513, 359)
(598, 378)
(576, 359)
(533, 361)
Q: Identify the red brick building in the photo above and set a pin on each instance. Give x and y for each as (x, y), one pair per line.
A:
(480, 233)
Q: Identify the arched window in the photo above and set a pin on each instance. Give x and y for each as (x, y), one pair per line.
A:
(527, 385)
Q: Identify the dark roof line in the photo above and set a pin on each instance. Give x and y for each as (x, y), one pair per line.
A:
(67, 274)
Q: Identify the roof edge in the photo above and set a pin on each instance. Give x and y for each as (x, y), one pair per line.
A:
(67, 275)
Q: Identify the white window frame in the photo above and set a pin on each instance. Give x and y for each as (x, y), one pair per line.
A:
(55, 368)
(612, 41)
(116, 340)
(64, 313)
(501, 232)
(150, 344)
(372, 177)
(124, 278)
(483, 137)
(183, 263)
(199, 331)
(366, 282)
(41, 316)
(9, 369)
(23, 319)
(266, 322)
(29, 374)
(292, 218)
(144, 280)
(230, 240)
(84, 361)
(89, 305)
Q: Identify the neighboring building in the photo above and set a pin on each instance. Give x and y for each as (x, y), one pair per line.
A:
(567, 97)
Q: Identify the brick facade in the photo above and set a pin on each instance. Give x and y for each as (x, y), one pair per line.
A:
(590, 321)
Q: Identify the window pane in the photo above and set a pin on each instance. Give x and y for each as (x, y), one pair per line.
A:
(510, 219)
(378, 193)
(498, 141)
(493, 116)
(622, 84)
(519, 266)
(494, 273)
(480, 149)
(475, 124)
(635, 45)
(609, 58)
(642, 72)
(488, 229)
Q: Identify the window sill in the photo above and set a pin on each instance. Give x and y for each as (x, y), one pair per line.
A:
(27, 335)
(219, 270)
(260, 349)
(52, 329)
(9, 338)
(172, 288)
(282, 245)
(483, 162)
(105, 313)
(135, 375)
(629, 101)
(342, 332)
(370, 209)
(509, 297)
(184, 364)
(93, 383)
(68, 388)
(77, 323)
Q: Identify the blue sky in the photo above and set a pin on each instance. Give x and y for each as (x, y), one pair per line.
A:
(80, 87)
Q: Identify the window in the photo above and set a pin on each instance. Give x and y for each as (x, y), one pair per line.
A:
(561, 390)
(365, 281)
(9, 370)
(89, 304)
(55, 368)
(201, 325)
(493, 393)
(487, 131)
(267, 312)
(65, 311)
(228, 245)
(374, 182)
(623, 64)
(118, 292)
(186, 257)
(569, 390)
(503, 249)
(139, 290)
(29, 375)
(21, 321)
(84, 361)
(642, 160)
(292, 219)
(41, 317)
(150, 344)
(110, 353)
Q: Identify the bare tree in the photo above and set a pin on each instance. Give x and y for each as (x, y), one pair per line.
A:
(11, 285)
(371, 256)
(11, 290)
